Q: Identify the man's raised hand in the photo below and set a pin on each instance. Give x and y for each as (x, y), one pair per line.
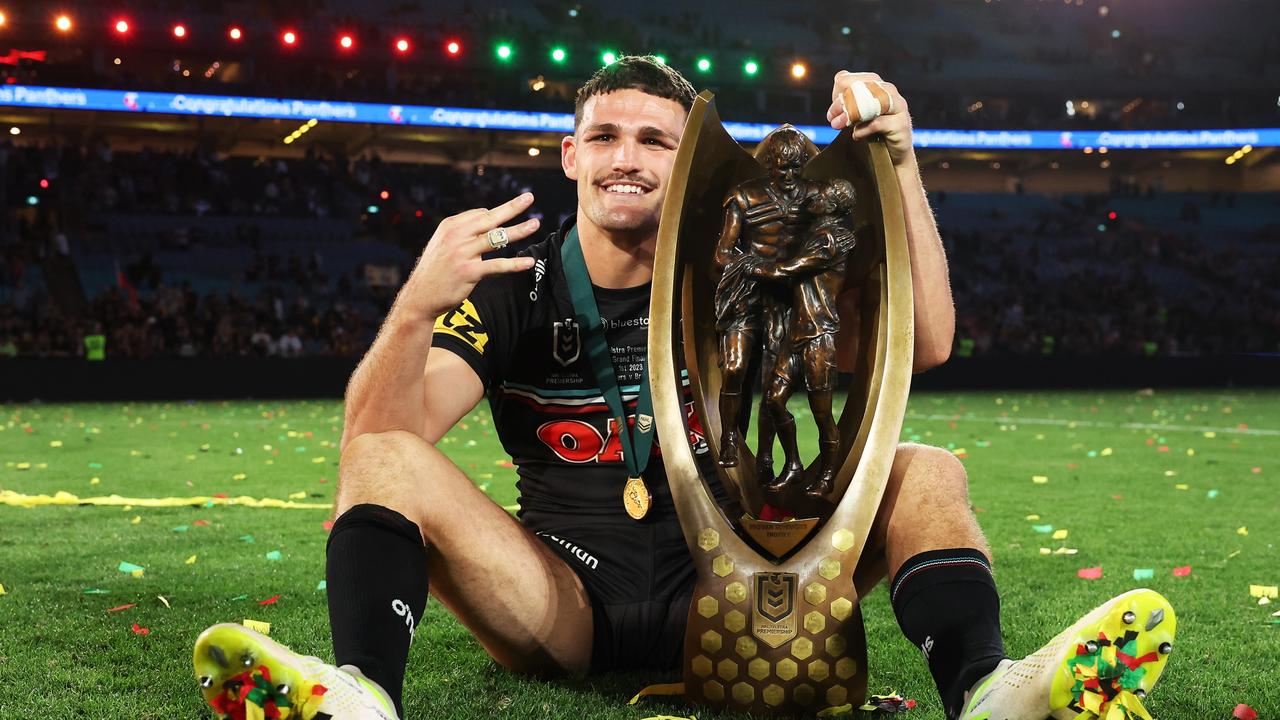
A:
(451, 264)
(894, 122)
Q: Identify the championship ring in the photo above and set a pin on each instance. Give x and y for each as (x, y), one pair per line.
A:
(772, 270)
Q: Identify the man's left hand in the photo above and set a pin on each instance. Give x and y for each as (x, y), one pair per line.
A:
(895, 125)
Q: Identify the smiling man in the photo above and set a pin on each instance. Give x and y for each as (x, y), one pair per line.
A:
(595, 574)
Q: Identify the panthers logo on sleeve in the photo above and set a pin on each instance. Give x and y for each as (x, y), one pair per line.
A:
(463, 322)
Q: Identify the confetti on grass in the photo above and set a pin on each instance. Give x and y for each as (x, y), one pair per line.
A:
(1090, 573)
(257, 626)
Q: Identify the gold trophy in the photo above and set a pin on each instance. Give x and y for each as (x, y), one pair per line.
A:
(755, 254)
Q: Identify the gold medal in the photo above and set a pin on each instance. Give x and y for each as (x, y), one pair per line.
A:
(636, 498)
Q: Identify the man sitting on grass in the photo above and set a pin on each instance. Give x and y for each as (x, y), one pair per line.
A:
(576, 584)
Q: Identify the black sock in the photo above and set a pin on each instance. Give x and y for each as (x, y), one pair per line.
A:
(948, 607)
(376, 570)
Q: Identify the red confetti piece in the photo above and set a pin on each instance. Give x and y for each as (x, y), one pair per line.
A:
(222, 496)
(1163, 448)
(1257, 470)
(1117, 496)
(952, 424)
(1091, 573)
(29, 430)
(1242, 426)
(1244, 712)
(327, 524)
(1072, 466)
(1183, 571)
(200, 523)
(269, 601)
(118, 608)
(139, 630)
(1151, 441)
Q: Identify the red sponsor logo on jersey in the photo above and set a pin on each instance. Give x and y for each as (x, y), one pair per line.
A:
(578, 441)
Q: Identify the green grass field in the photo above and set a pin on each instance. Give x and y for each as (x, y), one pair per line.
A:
(1139, 481)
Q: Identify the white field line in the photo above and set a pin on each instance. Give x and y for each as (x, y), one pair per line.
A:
(1096, 423)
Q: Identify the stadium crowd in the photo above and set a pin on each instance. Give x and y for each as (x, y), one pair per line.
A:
(1046, 279)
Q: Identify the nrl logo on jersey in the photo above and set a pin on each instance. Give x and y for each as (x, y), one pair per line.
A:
(566, 344)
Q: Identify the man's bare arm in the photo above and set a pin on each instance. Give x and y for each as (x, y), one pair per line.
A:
(400, 384)
(935, 314)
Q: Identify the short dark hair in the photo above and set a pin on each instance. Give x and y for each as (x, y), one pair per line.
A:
(636, 72)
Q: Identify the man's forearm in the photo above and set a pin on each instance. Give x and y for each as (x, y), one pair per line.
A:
(385, 391)
(935, 314)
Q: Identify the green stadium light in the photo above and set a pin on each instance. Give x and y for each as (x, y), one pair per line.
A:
(662, 60)
(751, 67)
(503, 51)
(704, 64)
(608, 57)
(558, 54)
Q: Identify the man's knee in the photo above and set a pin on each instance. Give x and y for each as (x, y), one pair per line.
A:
(924, 469)
(381, 468)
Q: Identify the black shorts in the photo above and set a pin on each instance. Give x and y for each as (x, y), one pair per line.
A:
(639, 577)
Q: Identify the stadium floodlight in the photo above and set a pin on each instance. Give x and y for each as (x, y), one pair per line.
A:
(845, 30)
(534, 152)
(3, 19)
(703, 64)
(122, 26)
(660, 59)
(15, 130)
(179, 31)
(751, 67)
(346, 41)
(372, 209)
(33, 200)
(799, 70)
(558, 54)
(402, 45)
(289, 37)
(504, 51)
(453, 47)
(608, 57)
(235, 33)
(63, 23)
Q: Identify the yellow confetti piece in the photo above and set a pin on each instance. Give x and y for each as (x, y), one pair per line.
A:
(164, 600)
(1059, 534)
(55, 443)
(1182, 486)
(1046, 551)
(1033, 517)
(42, 466)
(94, 481)
(15, 499)
(24, 466)
(1266, 591)
(1210, 434)
(3, 591)
(1242, 530)
(191, 560)
(135, 453)
(318, 460)
(1170, 473)
(1191, 452)
(137, 573)
(1039, 479)
(239, 476)
(1105, 452)
(298, 495)
(136, 519)
(257, 625)
(1065, 551)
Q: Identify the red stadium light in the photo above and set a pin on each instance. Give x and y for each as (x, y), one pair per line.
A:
(1112, 215)
(63, 23)
(346, 42)
(234, 32)
(453, 47)
(402, 45)
(179, 31)
(289, 37)
(122, 26)
(385, 194)
(44, 183)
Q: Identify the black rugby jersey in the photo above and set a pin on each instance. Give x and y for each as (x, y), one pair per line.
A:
(517, 331)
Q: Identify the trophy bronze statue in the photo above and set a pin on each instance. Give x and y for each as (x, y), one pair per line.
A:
(757, 257)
